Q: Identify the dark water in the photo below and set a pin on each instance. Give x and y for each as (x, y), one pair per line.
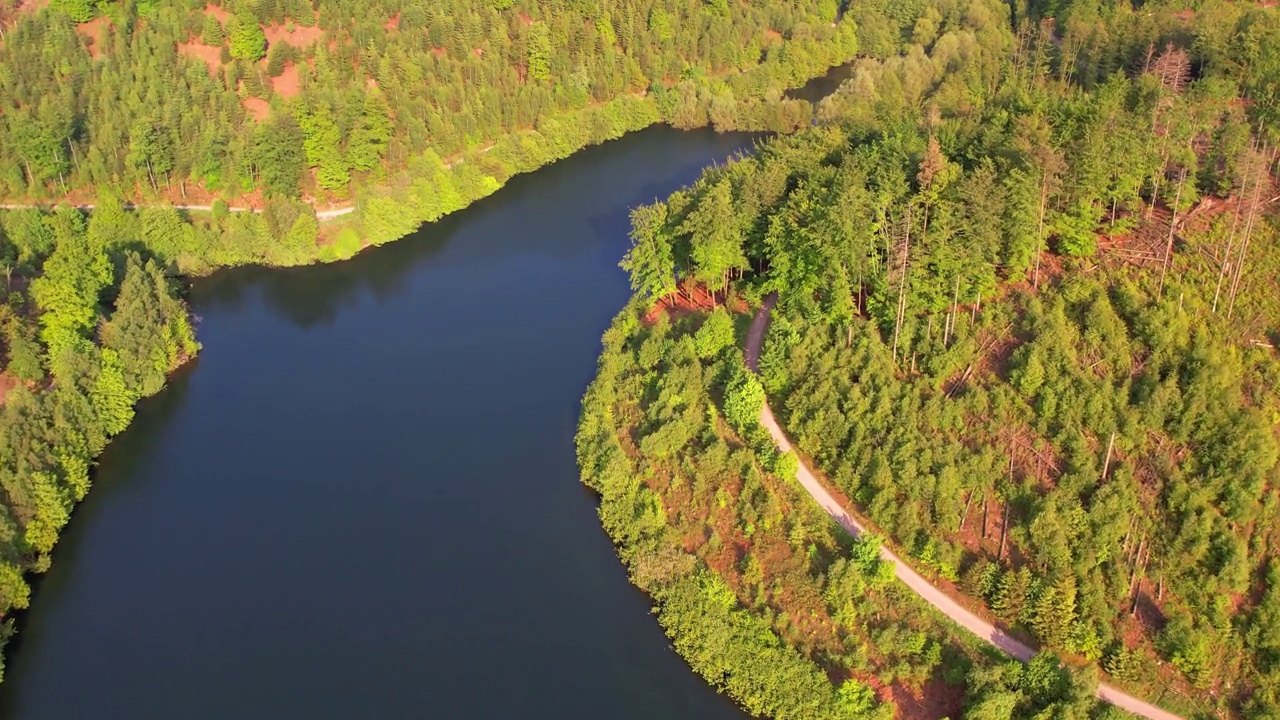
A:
(362, 500)
(820, 87)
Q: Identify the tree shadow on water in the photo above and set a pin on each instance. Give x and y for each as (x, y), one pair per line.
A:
(538, 212)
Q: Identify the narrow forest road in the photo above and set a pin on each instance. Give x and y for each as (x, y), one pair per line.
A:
(920, 586)
(321, 215)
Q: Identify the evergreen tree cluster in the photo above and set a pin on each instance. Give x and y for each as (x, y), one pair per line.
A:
(88, 326)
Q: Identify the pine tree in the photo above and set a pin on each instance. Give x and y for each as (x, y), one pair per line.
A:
(213, 33)
(248, 42)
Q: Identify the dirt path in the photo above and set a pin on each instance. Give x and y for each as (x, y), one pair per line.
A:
(321, 215)
(920, 586)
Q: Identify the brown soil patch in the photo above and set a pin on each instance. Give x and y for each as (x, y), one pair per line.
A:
(299, 36)
(6, 384)
(393, 23)
(207, 54)
(689, 299)
(94, 33)
(217, 11)
(936, 700)
(257, 107)
(9, 15)
(289, 83)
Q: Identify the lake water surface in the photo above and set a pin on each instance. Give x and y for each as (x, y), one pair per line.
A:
(362, 500)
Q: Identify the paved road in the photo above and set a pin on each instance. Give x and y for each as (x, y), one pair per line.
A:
(920, 586)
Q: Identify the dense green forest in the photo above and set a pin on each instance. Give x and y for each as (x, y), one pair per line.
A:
(269, 102)
(98, 329)
(1027, 326)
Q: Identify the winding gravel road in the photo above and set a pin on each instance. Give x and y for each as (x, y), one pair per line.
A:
(920, 586)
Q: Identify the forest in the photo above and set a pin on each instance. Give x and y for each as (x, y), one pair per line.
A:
(1027, 327)
(137, 135)
(251, 103)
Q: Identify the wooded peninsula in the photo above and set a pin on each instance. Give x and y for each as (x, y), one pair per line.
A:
(1026, 325)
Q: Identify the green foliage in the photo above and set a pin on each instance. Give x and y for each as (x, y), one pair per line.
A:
(743, 400)
(650, 261)
(1041, 688)
(149, 331)
(539, 53)
(67, 291)
(715, 335)
(212, 33)
(247, 41)
(79, 10)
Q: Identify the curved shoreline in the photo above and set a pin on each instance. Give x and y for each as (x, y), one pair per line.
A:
(926, 590)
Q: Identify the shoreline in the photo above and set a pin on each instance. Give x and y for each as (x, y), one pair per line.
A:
(329, 253)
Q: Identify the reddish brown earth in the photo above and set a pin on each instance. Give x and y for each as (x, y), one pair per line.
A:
(299, 36)
(289, 84)
(6, 384)
(257, 107)
(207, 54)
(937, 700)
(217, 11)
(691, 298)
(94, 32)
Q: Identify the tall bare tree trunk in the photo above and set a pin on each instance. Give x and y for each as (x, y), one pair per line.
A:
(951, 317)
(902, 285)
(984, 517)
(1106, 464)
(964, 515)
(1173, 223)
(1044, 200)
(1262, 171)
(1231, 240)
(1004, 531)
